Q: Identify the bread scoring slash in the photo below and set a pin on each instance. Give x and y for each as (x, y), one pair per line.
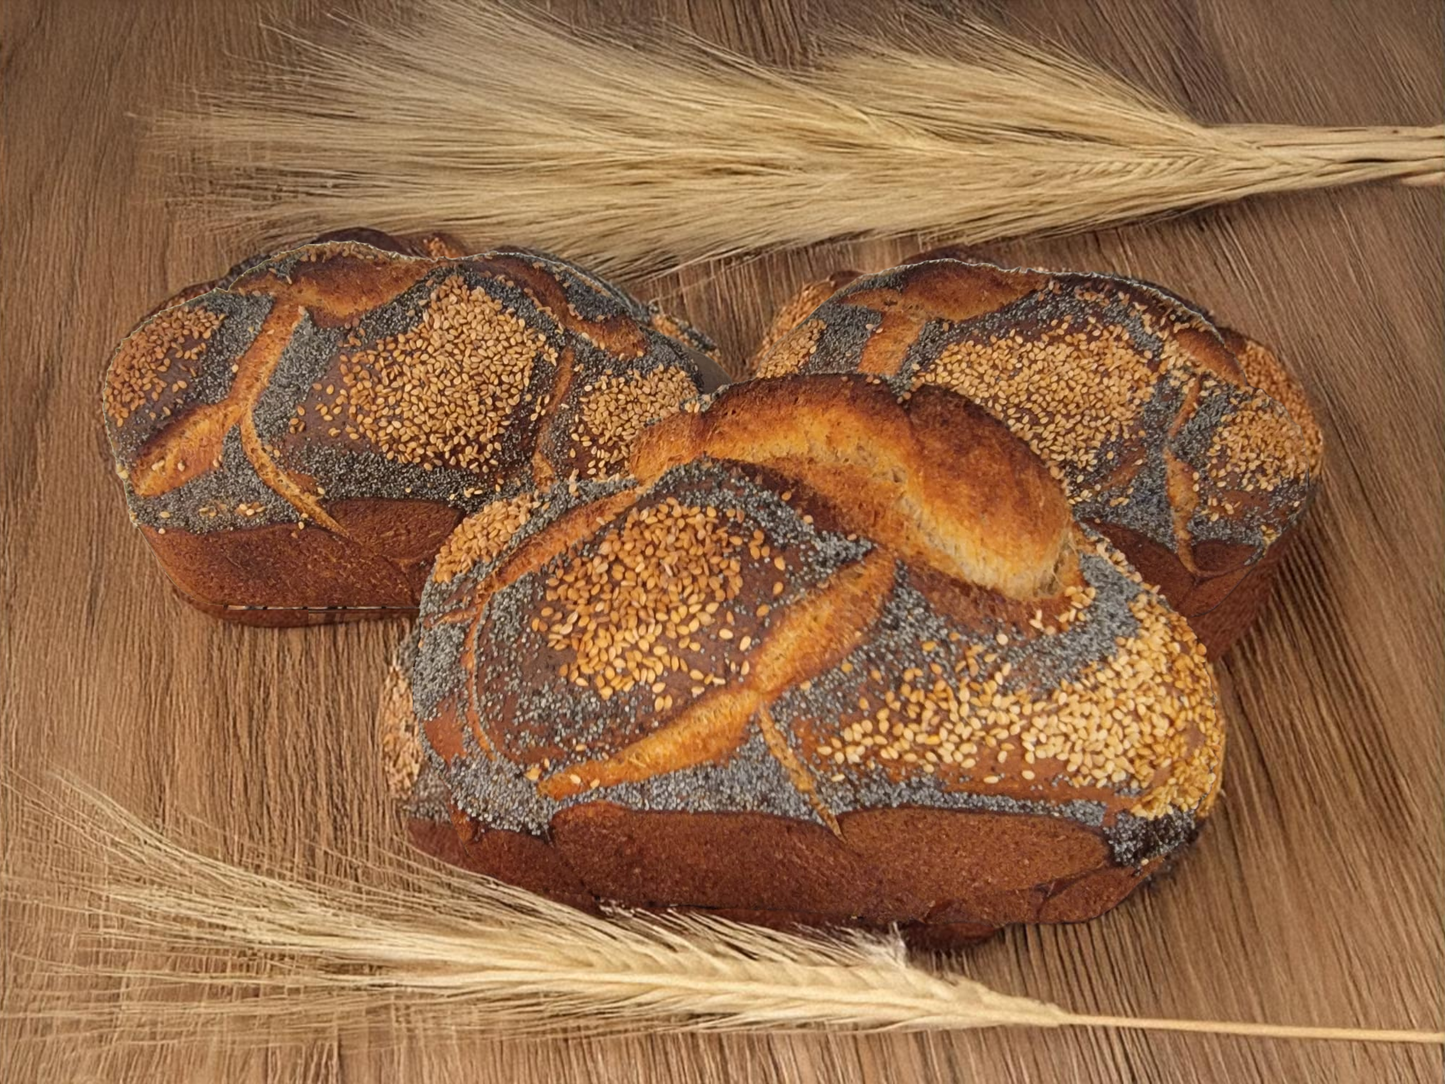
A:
(1185, 443)
(297, 438)
(788, 670)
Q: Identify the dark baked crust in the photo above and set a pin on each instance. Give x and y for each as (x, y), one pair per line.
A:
(791, 668)
(938, 875)
(297, 439)
(1187, 444)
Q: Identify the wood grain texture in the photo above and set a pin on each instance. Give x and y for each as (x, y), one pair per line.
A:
(1313, 897)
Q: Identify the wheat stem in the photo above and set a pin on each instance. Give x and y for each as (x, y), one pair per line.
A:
(1265, 1031)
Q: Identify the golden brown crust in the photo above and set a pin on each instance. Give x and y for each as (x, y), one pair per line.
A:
(416, 244)
(774, 630)
(1263, 369)
(1162, 427)
(809, 296)
(963, 496)
(302, 437)
(933, 873)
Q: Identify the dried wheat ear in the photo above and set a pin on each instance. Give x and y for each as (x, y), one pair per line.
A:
(666, 151)
(256, 956)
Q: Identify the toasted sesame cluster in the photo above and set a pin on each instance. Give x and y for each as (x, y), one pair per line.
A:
(439, 393)
(160, 355)
(615, 409)
(1264, 371)
(1075, 392)
(1143, 713)
(479, 538)
(792, 353)
(358, 251)
(793, 312)
(1258, 451)
(620, 617)
(647, 645)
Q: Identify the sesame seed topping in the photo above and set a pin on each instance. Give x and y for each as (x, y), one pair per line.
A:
(624, 622)
(792, 353)
(479, 538)
(440, 393)
(616, 409)
(137, 376)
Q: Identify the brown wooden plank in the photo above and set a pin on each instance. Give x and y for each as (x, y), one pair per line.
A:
(1315, 897)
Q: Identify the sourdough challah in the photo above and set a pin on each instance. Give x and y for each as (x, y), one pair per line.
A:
(297, 438)
(791, 671)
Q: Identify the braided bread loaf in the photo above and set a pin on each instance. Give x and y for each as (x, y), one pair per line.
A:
(1187, 444)
(297, 438)
(790, 671)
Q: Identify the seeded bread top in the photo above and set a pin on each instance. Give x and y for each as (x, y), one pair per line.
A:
(340, 370)
(1155, 420)
(787, 609)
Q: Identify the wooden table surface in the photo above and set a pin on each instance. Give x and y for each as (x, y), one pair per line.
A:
(1314, 897)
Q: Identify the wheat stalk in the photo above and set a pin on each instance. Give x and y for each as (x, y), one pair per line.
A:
(648, 151)
(460, 954)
